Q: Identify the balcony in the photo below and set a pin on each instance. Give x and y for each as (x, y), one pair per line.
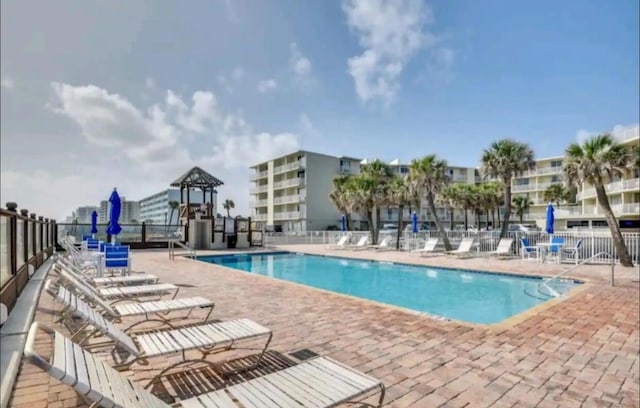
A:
(294, 198)
(626, 209)
(615, 187)
(542, 171)
(289, 167)
(259, 217)
(259, 189)
(290, 215)
(523, 187)
(259, 175)
(294, 182)
(258, 203)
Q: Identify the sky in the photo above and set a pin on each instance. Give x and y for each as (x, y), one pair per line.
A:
(131, 94)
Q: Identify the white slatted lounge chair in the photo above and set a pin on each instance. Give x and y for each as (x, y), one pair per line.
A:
(361, 244)
(503, 249)
(429, 247)
(385, 244)
(341, 243)
(153, 310)
(205, 337)
(105, 281)
(464, 249)
(120, 292)
(320, 382)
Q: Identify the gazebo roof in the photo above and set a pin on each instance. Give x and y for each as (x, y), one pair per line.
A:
(196, 177)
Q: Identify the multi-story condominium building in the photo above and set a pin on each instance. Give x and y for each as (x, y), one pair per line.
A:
(83, 214)
(129, 211)
(623, 193)
(155, 208)
(291, 192)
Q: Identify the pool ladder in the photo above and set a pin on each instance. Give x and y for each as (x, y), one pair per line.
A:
(172, 249)
(545, 283)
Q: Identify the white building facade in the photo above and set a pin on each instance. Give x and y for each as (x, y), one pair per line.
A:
(129, 211)
(155, 208)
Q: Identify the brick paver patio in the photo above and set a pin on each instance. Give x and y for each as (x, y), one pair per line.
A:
(582, 351)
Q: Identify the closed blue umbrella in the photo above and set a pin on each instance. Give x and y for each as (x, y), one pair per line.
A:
(343, 223)
(94, 224)
(114, 213)
(414, 223)
(550, 219)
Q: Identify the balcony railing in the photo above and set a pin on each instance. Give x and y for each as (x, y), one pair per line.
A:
(289, 215)
(294, 198)
(542, 171)
(615, 187)
(294, 182)
(288, 167)
(258, 203)
(27, 241)
(259, 175)
(260, 217)
(259, 189)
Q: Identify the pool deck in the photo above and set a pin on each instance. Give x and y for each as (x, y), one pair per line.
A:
(578, 352)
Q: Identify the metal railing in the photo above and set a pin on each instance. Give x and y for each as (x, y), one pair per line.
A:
(546, 282)
(190, 252)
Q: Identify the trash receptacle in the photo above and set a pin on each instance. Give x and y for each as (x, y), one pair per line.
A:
(232, 240)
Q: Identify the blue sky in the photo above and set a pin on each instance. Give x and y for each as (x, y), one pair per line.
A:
(447, 77)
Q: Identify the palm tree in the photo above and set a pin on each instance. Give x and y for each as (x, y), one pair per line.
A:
(491, 193)
(448, 198)
(503, 160)
(339, 197)
(173, 205)
(556, 193)
(430, 175)
(360, 194)
(228, 205)
(464, 196)
(401, 193)
(596, 162)
(521, 205)
(382, 174)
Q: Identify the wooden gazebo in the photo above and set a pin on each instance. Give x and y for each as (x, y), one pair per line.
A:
(196, 178)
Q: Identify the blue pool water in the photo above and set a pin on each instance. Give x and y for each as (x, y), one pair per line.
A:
(456, 294)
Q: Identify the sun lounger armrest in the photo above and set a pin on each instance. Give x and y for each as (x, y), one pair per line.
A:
(29, 349)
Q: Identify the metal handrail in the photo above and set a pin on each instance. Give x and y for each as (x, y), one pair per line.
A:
(172, 249)
(573, 268)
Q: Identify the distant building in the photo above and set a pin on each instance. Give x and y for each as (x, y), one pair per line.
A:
(291, 192)
(129, 211)
(83, 214)
(155, 208)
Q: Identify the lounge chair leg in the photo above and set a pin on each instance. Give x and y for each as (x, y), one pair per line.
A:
(209, 314)
(184, 362)
(257, 363)
(162, 323)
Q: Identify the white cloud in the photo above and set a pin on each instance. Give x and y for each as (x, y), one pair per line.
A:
(301, 67)
(619, 132)
(143, 149)
(391, 32)
(306, 126)
(238, 73)
(267, 85)
(149, 83)
(6, 83)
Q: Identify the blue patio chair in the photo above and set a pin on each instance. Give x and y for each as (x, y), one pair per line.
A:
(93, 245)
(527, 249)
(86, 237)
(104, 244)
(116, 257)
(573, 252)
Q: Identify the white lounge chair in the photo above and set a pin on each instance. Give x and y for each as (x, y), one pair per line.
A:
(159, 309)
(342, 242)
(361, 244)
(104, 281)
(464, 249)
(503, 249)
(319, 382)
(429, 247)
(205, 337)
(385, 244)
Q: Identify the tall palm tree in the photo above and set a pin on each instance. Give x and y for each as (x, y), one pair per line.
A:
(596, 162)
(503, 160)
(521, 205)
(491, 193)
(464, 196)
(448, 198)
(430, 175)
(360, 194)
(228, 205)
(382, 174)
(173, 205)
(556, 193)
(339, 197)
(401, 193)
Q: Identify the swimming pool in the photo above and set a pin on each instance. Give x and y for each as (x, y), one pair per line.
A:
(475, 297)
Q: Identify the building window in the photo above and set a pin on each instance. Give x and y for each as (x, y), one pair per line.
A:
(599, 223)
(578, 224)
(556, 163)
(555, 179)
(522, 182)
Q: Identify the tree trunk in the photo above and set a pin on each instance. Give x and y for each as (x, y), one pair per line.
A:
(443, 234)
(451, 210)
(521, 217)
(466, 221)
(493, 218)
(486, 218)
(348, 219)
(507, 208)
(371, 226)
(377, 228)
(618, 241)
(400, 209)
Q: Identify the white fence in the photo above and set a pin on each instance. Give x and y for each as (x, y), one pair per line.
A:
(593, 242)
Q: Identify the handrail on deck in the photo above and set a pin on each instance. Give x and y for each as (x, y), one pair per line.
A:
(172, 249)
(573, 268)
